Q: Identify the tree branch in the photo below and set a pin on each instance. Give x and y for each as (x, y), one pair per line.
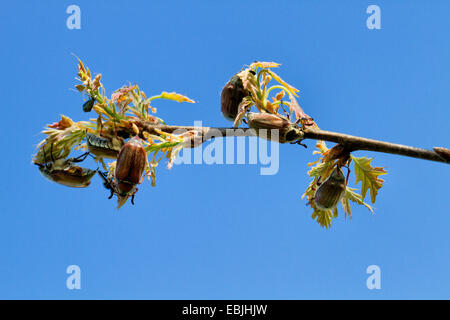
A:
(350, 143)
(353, 143)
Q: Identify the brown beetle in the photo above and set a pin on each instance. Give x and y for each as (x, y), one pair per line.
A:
(128, 172)
(103, 147)
(130, 166)
(232, 95)
(330, 191)
(288, 132)
(65, 172)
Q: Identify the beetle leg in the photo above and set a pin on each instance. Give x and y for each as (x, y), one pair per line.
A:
(103, 163)
(288, 116)
(132, 195)
(300, 120)
(51, 152)
(81, 158)
(45, 156)
(46, 164)
(300, 143)
(348, 175)
(99, 124)
(106, 183)
(318, 181)
(103, 176)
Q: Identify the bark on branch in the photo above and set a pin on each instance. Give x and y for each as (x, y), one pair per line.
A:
(349, 142)
(353, 143)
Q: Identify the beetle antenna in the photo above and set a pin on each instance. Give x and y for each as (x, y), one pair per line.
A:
(132, 199)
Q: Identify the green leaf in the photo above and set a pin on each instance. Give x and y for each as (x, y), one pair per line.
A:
(368, 175)
(162, 145)
(290, 88)
(350, 195)
(323, 217)
(322, 169)
(175, 97)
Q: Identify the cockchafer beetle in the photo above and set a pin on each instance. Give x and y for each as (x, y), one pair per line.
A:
(130, 166)
(65, 172)
(128, 173)
(288, 132)
(104, 147)
(330, 192)
(232, 95)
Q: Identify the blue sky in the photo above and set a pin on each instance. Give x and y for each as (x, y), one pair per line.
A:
(224, 231)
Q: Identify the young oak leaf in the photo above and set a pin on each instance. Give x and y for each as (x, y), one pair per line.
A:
(290, 88)
(300, 115)
(350, 195)
(323, 217)
(322, 169)
(262, 64)
(368, 175)
(322, 149)
(176, 97)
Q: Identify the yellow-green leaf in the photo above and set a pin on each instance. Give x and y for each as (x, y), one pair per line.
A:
(176, 97)
(262, 64)
(368, 175)
(323, 217)
(352, 196)
(80, 87)
(322, 169)
(290, 88)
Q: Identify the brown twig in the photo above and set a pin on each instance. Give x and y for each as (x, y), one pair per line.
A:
(353, 143)
(350, 143)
